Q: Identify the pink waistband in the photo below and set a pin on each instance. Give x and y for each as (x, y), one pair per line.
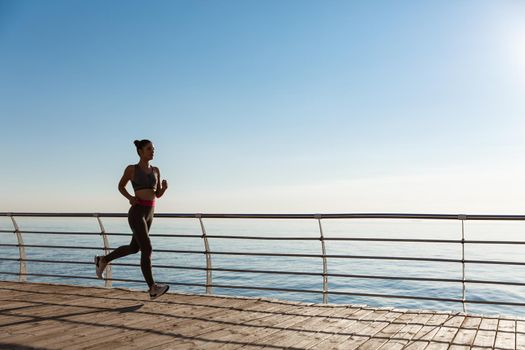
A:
(146, 202)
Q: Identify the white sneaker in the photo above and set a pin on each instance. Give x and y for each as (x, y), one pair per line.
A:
(157, 290)
(100, 266)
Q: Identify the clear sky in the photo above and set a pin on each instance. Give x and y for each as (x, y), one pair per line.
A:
(265, 106)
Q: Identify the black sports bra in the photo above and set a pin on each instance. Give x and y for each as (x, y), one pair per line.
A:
(142, 180)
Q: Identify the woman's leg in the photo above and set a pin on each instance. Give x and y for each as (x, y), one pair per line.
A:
(140, 224)
(156, 290)
(131, 248)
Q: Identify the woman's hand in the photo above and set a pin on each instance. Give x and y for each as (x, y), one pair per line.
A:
(133, 200)
(161, 189)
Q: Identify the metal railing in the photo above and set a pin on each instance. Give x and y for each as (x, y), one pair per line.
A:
(209, 285)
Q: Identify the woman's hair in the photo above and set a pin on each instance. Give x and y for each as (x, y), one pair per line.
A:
(140, 144)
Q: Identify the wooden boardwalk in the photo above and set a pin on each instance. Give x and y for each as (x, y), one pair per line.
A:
(50, 316)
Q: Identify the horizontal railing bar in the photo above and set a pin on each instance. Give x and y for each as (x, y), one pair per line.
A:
(420, 240)
(408, 240)
(60, 232)
(266, 288)
(507, 303)
(336, 292)
(264, 237)
(88, 277)
(114, 264)
(351, 257)
(517, 263)
(341, 256)
(283, 238)
(340, 239)
(111, 248)
(369, 239)
(418, 279)
(365, 239)
(427, 298)
(47, 246)
(284, 216)
(493, 242)
(176, 235)
(68, 233)
(291, 290)
(98, 233)
(517, 284)
(48, 275)
(295, 255)
(395, 296)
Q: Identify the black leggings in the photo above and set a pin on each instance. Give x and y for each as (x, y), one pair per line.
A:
(140, 218)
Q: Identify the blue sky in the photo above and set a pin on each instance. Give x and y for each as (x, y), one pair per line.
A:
(265, 106)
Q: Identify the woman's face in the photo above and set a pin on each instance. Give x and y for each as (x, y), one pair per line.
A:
(148, 151)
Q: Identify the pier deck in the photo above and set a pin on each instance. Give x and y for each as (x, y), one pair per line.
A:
(56, 316)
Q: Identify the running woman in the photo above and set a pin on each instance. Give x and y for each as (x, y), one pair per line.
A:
(146, 184)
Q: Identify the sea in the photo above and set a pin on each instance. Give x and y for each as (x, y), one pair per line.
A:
(78, 262)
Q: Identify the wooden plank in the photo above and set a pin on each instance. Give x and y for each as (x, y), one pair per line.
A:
(505, 336)
(385, 333)
(137, 326)
(438, 319)
(425, 335)
(472, 322)
(378, 331)
(8, 305)
(102, 312)
(484, 338)
(377, 325)
(288, 322)
(7, 320)
(106, 332)
(39, 338)
(150, 310)
(259, 331)
(464, 337)
(403, 337)
(35, 319)
(198, 334)
(520, 341)
(218, 322)
(340, 321)
(520, 326)
(302, 333)
(419, 342)
(349, 336)
(448, 330)
(455, 321)
(87, 326)
(459, 347)
(489, 324)
(437, 346)
(237, 335)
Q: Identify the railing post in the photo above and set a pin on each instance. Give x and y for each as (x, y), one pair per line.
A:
(22, 271)
(107, 280)
(208, 255)
(323, 253)
(463, 298)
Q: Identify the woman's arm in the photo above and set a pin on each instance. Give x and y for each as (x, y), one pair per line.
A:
(128, 172)
(160, 190)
